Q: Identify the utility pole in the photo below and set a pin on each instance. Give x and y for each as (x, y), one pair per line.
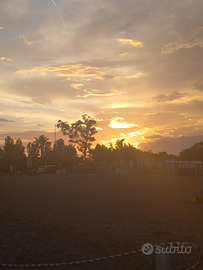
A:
(55, 134)
(55, 148)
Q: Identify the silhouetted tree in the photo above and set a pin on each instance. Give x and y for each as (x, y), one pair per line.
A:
(41, 143)
(58, 150)
(125, 151)
(19, 150)
(164, 156)
(121, 150)
(102, 153)
(1, 153)
(81, 133)
(195, 152)
(19, 155)
(64, 154)
(119, 144)
(32, 149)
(8, 150)
(69, 155)
(47, 148)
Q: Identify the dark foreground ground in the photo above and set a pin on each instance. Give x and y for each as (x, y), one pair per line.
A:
(62, 218)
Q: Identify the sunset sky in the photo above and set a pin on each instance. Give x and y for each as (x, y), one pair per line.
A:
(136, 66)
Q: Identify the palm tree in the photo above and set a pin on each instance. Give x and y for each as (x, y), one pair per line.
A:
(41, 143)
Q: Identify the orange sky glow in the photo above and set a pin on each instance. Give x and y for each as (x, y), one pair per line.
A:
(135, 66)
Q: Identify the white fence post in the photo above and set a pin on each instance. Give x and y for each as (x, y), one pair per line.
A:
(162, 261)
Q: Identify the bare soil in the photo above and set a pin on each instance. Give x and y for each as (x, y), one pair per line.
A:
(62, 218)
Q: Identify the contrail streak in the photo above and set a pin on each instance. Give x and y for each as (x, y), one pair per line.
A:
(54, 3)
(59, 13)
(61, 18)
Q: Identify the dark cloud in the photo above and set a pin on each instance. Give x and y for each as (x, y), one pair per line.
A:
(26, 136)
(198, 104)
(25, 101)
(153, 137)
(171, 145)
(41, 100)
(175, 95)
(198, 85)
(189, 130)
(186, 29)
(6, 120)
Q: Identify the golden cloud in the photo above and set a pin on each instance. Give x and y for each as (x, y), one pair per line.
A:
(30, 40)
(1, 28)
(119, 122)
(98, 93)
(99, 128)
(76, 85)
(123, 54)
(131, 42)
(76, 70)
(171, 47)
(6, 59)
(130, 134)
(83, 72)
(166, 17)
(136, 75)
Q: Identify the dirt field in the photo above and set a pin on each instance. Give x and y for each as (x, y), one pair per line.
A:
(62, 218)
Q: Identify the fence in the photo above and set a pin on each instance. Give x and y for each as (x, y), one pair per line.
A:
(145, 165)
(161, 261)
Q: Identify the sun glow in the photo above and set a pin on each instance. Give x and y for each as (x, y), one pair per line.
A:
(115, 106)
(118, 122)
(136, 145)
(130, 135)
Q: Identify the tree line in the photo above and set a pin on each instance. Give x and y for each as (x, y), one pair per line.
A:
(81, 136)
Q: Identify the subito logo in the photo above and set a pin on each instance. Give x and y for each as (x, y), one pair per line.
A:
(147, 249)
